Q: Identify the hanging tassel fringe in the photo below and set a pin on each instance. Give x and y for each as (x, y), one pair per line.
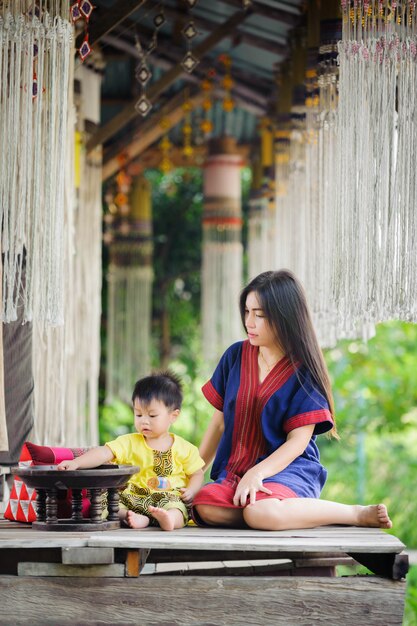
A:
(35, 53)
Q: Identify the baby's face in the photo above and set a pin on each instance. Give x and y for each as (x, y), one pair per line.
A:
(153, 419)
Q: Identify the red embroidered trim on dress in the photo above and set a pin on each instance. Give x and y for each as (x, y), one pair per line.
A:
(250, 402)
(212, 395)
(312, 417)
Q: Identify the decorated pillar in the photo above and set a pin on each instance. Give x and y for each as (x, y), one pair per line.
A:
(129, 278)
(222, 248)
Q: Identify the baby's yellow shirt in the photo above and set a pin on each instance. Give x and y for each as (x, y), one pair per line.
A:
(159, 471)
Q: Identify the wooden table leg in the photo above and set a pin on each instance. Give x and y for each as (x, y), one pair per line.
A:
(96, 508)
(41, 505)
(51, 506)
(77, 505)
(113, 505)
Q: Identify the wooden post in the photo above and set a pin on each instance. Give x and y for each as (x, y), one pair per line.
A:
(135, 561)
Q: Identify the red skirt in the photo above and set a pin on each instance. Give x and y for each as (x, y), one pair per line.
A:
(221, 494)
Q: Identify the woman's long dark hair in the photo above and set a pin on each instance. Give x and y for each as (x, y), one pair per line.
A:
(285, 307)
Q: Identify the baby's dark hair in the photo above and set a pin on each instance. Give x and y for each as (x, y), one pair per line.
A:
(166, 387)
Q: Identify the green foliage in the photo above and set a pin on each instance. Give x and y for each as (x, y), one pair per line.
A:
(114, 420)
(374, 383)
(376, 405)
(177, 209)
(410, 613)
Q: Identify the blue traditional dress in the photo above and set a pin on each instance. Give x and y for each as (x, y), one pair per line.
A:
(257, 419)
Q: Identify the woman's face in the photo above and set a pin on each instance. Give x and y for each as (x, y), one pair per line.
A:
(257, 326)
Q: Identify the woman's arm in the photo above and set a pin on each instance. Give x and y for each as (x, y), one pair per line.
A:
(91, 458)
(294, 446)
(212, 438)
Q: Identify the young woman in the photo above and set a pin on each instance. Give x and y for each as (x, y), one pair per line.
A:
(272, 396)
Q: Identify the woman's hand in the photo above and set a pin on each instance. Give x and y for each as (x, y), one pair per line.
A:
(250, 483)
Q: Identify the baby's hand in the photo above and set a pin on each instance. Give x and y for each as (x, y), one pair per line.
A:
(68, 465)
(187, 494)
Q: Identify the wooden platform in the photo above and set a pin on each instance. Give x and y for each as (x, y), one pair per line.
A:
(199, 577)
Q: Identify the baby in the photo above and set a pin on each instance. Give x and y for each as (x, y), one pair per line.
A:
(170, 471)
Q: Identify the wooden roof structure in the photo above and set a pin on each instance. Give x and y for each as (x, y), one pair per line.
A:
(255, 35)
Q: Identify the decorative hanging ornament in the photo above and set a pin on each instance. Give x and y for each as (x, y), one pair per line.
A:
(187, 129)
(189, 62)
(34, 86)
(165, 147)
(85, 49)
(227, 83)
(159, 19)
(206, 125)
(143, 73)
(75, 12)
(82, 10)
(86, 8)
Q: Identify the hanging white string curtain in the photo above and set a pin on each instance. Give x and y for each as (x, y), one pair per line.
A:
(66, 359)
(130, 279)
(35, 53)
(375, 250)
(261, 227)
(322, 156)
(129, 329)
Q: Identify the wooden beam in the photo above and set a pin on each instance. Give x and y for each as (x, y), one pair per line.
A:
(166, 46)
(275, 46)
(109, 20)
(289, 18)
(231, 600)
(150, 131)
(393, 566)
(129, 112)
(151, 158)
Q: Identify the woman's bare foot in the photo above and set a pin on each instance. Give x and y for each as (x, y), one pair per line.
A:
(374, 515)
(135, 520)
(168, 520)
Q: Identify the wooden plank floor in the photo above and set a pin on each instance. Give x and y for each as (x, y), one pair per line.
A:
(323, 539)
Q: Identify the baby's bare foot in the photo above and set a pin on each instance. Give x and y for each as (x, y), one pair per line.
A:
(135, 520)
(374, 515)
(163, 517)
